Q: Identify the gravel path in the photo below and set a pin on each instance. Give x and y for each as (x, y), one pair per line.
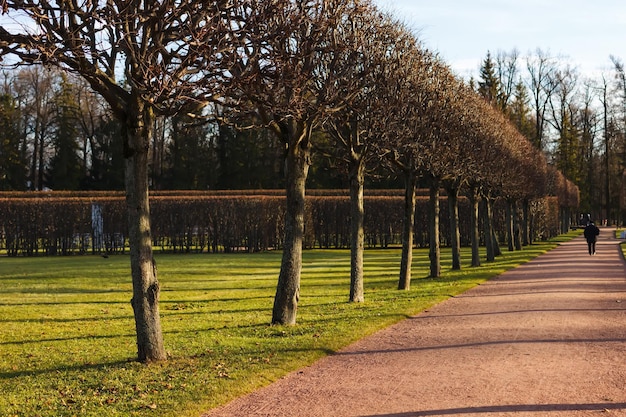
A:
(545, 339)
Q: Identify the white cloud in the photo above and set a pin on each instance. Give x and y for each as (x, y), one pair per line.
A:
(463, 31)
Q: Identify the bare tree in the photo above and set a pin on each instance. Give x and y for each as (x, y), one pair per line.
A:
(442, 158)
(37, 96)
(467, 127)
(479, 124)
(541, 68)
(604, 97)
(620, 78)
(508, 74)
(144, 58)
(563, 110)
(354, 128)
(415, 101)
(286, 69)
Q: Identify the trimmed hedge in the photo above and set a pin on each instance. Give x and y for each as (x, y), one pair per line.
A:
(63, 223)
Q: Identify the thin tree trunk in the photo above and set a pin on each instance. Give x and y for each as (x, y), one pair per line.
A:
(487, 229)
(435, 247)
(494, 236)
(357, 178)
(33, 164)
(474, 203)
(455, 234)
(288, 287)
(516, 227)
(146, 290)
(407, 232)
(525, 223)
(509, 224)
(40, 168)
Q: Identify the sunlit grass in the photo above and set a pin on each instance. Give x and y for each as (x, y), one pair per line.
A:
(67, 330)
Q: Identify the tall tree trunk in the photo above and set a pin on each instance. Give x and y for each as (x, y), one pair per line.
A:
(434, 252)
(288, 288)
(567, 219)
(488, 229)
(40, 167)
(509, 224)
(146, 290)
(455, 234)
(474, 198)
(357, 178)
(33, 164)
(494, 236)
(517, 227)
(525, 222)
(407, 231)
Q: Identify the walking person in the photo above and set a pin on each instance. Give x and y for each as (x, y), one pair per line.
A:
(591, 234)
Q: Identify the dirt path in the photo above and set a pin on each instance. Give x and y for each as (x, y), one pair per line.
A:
(545, 339)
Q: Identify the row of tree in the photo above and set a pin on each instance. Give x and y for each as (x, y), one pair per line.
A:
(333, 76)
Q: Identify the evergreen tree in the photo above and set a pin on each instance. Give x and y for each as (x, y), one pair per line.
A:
(107, 159)
(520, 112)
(248, 159)
(65, 168)
(489, 84)
(189, 155)
(12, 164)
(568, 150)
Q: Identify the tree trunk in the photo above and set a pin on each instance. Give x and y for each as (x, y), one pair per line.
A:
(407, 232)
(41, 167)
(33, 164)
(474, 203)
(488, 229)
(357, 178)
(526, 223)
(288, 288)
(494, 236)
(510, 236)
(567, 215)
(455, 234)
(146, 291)
(435, 247)
(517, 227)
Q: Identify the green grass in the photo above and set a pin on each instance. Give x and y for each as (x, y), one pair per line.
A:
(618, 234)
(67, 331)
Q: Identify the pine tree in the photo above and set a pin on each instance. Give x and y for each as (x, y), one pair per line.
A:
(12, 165)
(65, 168)
(489, 84)
(107, 160)
(568, 150)
(519, 111)
(189, 156)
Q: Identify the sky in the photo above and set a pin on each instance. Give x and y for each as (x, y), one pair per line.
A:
(583, 32)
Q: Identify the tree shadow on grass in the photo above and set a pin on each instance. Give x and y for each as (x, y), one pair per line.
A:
(79, 367)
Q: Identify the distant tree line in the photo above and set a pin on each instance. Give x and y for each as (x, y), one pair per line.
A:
(58, 134)
(578, 120)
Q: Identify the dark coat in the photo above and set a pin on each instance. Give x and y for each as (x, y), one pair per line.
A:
(591, 232)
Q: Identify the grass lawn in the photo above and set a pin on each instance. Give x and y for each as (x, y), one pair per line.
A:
(67, 342)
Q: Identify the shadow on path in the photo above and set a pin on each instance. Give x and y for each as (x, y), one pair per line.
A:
(603, 407)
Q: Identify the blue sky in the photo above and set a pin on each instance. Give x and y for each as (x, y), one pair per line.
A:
(585, 32)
